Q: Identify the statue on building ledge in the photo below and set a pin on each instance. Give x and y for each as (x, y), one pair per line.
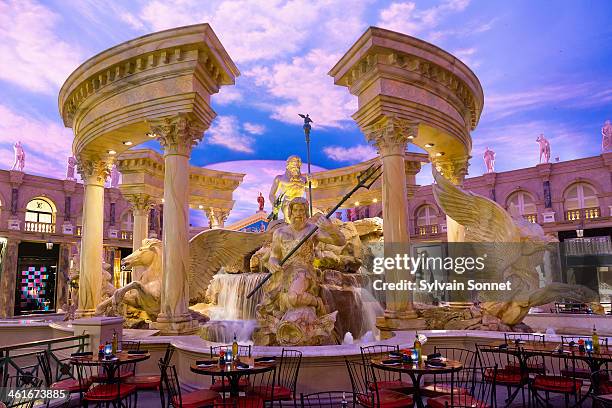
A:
(114, 178)
(544, 149)
(19, 163)
(292, 311)
(260, 202)
(489, 159)
(70, 168)
(606, 137)
(288, 186)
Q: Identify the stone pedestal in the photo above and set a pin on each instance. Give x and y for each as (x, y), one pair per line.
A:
(100, 330)
(94, 171)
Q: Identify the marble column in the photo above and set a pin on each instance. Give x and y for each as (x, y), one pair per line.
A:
(390, 136)
(141, 205)
(94, 171)
(62, 276)
(10, 258)
(177, 135)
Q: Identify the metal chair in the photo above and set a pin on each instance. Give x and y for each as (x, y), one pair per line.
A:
(178, 399)
(441, 383)
(287, 374)
(22, 383)
(335, 399)
(525, 338)
(511, 371)
(262, 388)
(601, 385)
(363, 382)
(223, 385)
(385, 379)
(471, 393)
(100, 384)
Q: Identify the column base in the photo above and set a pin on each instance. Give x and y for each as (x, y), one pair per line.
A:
(175, 327)
(402, 321)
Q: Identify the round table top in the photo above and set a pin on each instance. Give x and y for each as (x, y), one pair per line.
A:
(423, 368)
(233, 368)
(552, 349)
(121, 357)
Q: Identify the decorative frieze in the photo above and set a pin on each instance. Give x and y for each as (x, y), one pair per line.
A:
(178, 134)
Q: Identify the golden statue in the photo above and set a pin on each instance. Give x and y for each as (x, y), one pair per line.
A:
(290, 185)
(292, 311)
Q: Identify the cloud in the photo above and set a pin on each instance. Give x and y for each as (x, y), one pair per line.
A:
(254, 128)
(259, 177)
(406, 18)
(34, 56)
(303, 86)
(46, 144)
(353, 154)
(471, 28)
(225, 131)
(227, 95)
(466, 55)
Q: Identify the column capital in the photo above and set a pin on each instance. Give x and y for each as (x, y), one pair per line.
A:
(141, 203)
(391, 134)
(94, 170)
(453, 168)
(217, 216)
(178, 134)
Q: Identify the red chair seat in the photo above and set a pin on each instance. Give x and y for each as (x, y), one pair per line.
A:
(505, 376)
(557, 384)
(439, 389)
(71, 385)
(265, 392)
(463, 400)
(144, 382)
(581, 372)
(109, 392)
(388, 399)
(223, 384)
(251, 401)
(605, 387)
(196, 399)
(397, 385)
(531, 367)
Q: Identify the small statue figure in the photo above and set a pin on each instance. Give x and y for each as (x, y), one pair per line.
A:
(19, 163)
(489, 159)
(114, 181)
(290, 185)
(544, 148)
(261, 201)
(606, 140)
(70, 168)
(292, 311)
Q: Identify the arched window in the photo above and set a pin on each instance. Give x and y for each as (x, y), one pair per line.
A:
(40, 215)
(427, 220)
(127, 221)
(525, 204)
(581, 199)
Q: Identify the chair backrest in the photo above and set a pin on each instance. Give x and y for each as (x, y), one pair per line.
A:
(243, 350)
(168, 354)
(23, 383)
(533, 338)
(465, 356)
(482, 395)
(261, 387)
(468, 360)
(601, 381)
(363, 378)
(289, 368)
(556, 364)
(379, 351)
(170, 384)
(334, 399)
(509, 358)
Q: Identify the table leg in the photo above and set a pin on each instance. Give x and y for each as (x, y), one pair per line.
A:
(234, 385)
(416, 383)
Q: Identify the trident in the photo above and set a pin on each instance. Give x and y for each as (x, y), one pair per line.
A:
(365, 179)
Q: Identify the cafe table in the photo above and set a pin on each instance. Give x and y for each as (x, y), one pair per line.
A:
(416, 371)
(233, 370)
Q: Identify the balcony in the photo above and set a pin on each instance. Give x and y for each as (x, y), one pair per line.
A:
(127, 235)
(533, 218)
(426, 230)
(582, 214)
(42, 227)
(588, 246)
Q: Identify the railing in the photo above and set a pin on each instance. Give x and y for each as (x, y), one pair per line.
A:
(424, 230)
(588, 246)
(33, 226)
(20, 359)
(533, 218)
(582, 214)
(126, 235)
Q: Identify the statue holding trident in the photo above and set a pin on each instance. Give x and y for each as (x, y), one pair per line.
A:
(288, 186)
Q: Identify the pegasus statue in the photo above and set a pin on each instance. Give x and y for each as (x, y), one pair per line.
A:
(514, 247)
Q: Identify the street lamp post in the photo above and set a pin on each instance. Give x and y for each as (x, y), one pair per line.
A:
(307, 127)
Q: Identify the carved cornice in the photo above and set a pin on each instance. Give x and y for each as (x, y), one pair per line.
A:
(141, 203)
(94, 170)
(178, 134)
(453, 168)
(390, 135)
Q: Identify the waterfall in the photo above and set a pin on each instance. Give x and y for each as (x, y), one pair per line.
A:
(231, 292)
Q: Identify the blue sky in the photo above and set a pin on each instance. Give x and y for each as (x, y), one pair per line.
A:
(544, 67)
